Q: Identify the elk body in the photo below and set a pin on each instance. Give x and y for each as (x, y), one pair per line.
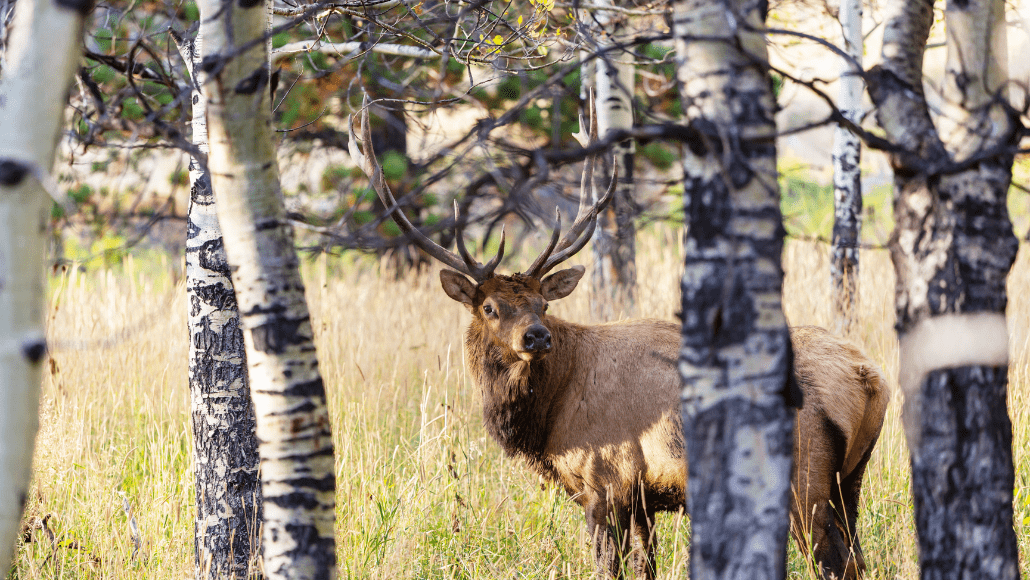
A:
(596, 408)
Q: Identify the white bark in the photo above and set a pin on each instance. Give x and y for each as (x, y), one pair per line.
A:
(614, 272)
(351, 49)
(952, 249)
(41, 58)
(735, 358)
(847, 178)
(297, 476)
(228, 494)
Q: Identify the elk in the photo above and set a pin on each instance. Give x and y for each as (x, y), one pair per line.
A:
(596, 409)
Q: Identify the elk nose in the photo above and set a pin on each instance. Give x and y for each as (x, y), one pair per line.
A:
(536, 338)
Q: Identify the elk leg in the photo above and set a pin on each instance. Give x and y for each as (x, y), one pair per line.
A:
(604, 546)
(850, 489)
(645, 540)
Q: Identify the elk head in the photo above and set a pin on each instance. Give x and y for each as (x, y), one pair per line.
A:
(511, 309)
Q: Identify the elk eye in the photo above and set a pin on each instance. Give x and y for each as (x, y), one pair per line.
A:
(488, 310)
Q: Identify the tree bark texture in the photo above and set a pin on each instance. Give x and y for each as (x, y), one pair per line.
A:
(295, 442)
(738, 391)
(614, 276)
(847, 177)
(228, 492)
(42, 56)
(952, 249)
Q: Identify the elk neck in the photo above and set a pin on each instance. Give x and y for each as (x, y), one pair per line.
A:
(521, 399)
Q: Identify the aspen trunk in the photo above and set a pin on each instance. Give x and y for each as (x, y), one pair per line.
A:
(847, 177)
(295, 443)
(952, 249)
(228, 493)
(736, 355)
(41, 58)
(614, 276)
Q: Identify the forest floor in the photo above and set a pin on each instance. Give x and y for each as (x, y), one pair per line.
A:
(423, 492)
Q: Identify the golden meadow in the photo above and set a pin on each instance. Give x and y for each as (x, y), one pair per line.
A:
(422, 491)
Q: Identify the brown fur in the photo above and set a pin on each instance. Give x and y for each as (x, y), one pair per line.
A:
(600, 415)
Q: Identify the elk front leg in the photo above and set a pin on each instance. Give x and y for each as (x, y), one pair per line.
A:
(609, 542)
(644, 541)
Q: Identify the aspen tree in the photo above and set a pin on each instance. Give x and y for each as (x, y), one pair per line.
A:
(847, 175)
(952, 248)
(614, 276)
(736, 354)
(42, 56)
(228, 493)
(295, 443)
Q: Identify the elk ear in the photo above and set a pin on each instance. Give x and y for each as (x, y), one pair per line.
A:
(458, 287)
(561, 283)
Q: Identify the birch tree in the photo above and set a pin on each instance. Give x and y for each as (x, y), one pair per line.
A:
(614, 276)
(41, 58)
(295, 443)
(847, 176)
(736, 356)
(952, 248)
(228, 493)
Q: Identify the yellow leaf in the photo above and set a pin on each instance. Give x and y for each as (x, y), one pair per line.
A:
(498, 39)
(520, 20)
(1026, 521)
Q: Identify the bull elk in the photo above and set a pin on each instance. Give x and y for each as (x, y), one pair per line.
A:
(596, 409)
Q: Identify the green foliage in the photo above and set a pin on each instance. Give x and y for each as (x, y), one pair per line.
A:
(362, 217)
(661, 155)
(334, 176)
(395, 165)
(104, 39)
(807, 206)
(80, 194)
(532, 117)
(132, 110)
(315, 62)
(190, 11)
(103, 74)
(179, 177)
(777, 83)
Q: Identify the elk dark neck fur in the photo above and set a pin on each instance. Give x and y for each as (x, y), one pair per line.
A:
(521, 398)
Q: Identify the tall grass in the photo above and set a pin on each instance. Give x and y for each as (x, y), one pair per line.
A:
(422, 491)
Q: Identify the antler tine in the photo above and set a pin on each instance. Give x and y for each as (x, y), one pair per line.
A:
(366, 159)
(586, 217)
(582, 229)
(535, 267)
(478, 271)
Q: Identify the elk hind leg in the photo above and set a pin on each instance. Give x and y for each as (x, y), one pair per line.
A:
(850, 489)
(644, 541)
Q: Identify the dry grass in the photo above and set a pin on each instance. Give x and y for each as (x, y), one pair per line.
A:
(422, 491)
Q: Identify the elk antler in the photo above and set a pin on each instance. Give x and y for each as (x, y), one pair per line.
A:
(586, 219)
(368, 163)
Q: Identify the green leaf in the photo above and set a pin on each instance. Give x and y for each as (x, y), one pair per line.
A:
(395, 165)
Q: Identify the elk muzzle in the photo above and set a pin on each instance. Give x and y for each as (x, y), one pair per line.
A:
(536, 341)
